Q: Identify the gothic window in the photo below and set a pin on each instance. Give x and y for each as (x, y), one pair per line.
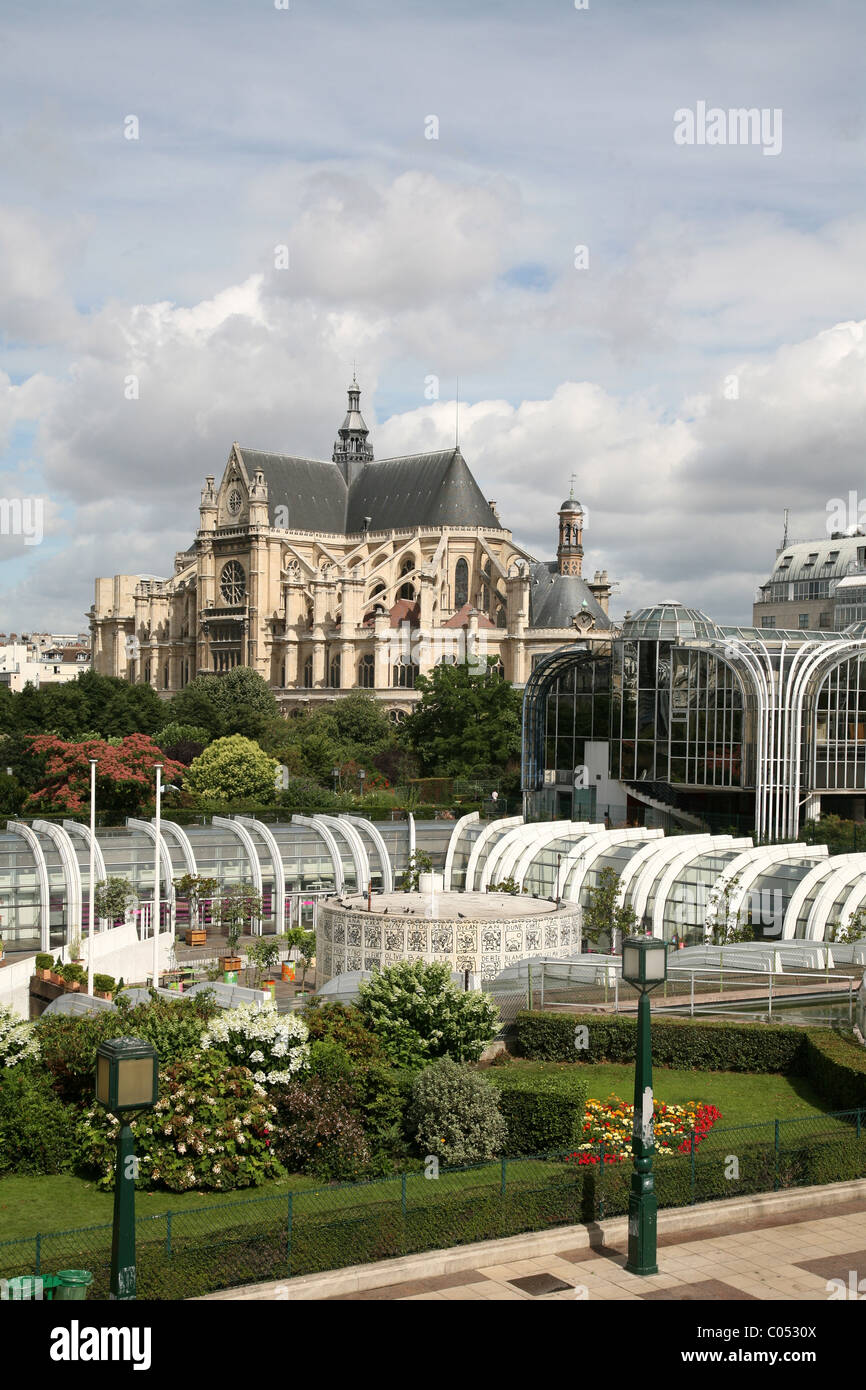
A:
(308, 673)
(367, 672)
(500, 616)
(334, 673)
(233, 582)
(461, 583)
(165, 676)
(403, 675)
(407, 590)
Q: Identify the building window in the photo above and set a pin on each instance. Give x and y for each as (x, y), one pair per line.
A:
(461, 583)
(308, 673)
(403, 675)
(407, 590)
(768, 622)
(165, 676)
(367, 672)
(233, 582)
(334, 673)
(803, 620)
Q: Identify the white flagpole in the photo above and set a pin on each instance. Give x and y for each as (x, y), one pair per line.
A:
(156, 878)
(92, 870)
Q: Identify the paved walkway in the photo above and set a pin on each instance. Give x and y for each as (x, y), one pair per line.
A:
(783, 1258)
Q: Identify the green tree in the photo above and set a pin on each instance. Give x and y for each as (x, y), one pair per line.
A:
(603, 916)
(465, 723)
(195, 889)
(232, 769)
(112, 897)
(305, 943)
(236, 910)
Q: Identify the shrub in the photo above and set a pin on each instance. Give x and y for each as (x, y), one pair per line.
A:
(689, 1044)
(544, 1114)
(330, 1061)
(18, 1039)
(106, 983)
(454, 1113)
(212, 1128)
(68, 1043)
(274, 1046)
(73, 973)
(419, 1015)
(37, 1131)
(837, 1067)
(44, 961)
(345, 1025)
(318, 1131)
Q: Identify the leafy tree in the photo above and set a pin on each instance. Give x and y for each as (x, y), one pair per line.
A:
(125, 779)
(195, 889)
(194, 706)
(305, 792)
(305, 944)
(236, 910)
(454, 1114)
(464, 723)
(112, 897)
(603, 917)
(185, 752)
(418, 1014)
(361, 723)
(181, 733)
(232, 769)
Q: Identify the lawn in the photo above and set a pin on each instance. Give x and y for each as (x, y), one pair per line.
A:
(742, 1098)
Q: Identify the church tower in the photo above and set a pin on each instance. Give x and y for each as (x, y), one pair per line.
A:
(569, 555)
(352, 449)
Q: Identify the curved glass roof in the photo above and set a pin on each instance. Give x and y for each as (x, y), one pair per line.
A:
(671, 621)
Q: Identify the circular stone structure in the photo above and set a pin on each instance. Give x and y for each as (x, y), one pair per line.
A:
(479, 932)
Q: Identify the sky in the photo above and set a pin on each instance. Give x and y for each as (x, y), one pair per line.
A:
(210, 212)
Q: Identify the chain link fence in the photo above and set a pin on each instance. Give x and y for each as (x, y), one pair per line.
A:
(182, 1254)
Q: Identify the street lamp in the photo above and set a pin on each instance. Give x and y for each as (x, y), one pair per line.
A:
(335, 773)
(644, 966)
(156, 877)
(361, 775)
(127, 1079)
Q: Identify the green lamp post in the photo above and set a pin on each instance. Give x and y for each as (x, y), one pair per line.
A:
(127, 1080)
(644, 965)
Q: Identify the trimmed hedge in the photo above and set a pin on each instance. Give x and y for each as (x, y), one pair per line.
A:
(836, 1066)
(544, 1114)
(685, 1043)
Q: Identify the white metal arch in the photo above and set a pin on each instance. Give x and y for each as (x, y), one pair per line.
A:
(800, 896)
(357, 848)
(74, 827)
(330, 844)
(655, 867)
(71, 872)
(167, 893)
(506, 851)
(501, 826)
(279, 870)
(537, 847)
(635, 865)
(847, 868)
(366, 827)
(672, 870)
(460, 826)
(754, 862)
(249, 847)
(855, 898)
(593, 844)
(411, 820)
(177, 832)
(19, 828)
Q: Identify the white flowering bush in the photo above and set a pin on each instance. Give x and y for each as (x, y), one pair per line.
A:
(273, 1046)
(18, 1040)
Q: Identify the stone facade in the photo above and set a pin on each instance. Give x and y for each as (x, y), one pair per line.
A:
(326, 577)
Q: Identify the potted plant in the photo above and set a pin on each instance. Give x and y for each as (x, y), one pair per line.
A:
(56, 973)
(238, 908)
(44, 965)
(262, 956)
(104, 986)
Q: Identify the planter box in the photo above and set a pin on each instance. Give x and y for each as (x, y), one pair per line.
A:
(102, 994)
(196, 936)
(229, 963)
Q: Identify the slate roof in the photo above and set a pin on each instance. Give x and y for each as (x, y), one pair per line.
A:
(435, 489)
(554, 599)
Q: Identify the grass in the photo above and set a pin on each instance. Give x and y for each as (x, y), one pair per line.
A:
(40, 1204)
(742, 1098)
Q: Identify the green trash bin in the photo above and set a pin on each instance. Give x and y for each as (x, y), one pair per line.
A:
(28, 1286)
(72, 1284)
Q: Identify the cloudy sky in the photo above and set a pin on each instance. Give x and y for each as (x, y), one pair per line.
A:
(430, 173)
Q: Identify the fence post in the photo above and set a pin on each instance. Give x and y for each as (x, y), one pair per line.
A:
(859, 1122)
(776, 1158)
(542, 985)
(529, 986)
(616, 993)
(168, 1234)
(38, 1269)
(692, 998)
(692, 1168)
(403, 1195)
(289, 1216)
(770, 1002)
(503, 1167)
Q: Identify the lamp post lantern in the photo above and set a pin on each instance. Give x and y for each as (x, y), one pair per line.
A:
(361, 775)
(127, 1080)
(335, 773)
(644, 965)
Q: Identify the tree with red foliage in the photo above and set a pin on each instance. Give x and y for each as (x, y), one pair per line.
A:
(125, 779)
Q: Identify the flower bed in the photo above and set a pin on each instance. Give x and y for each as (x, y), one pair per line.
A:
(607, 1129)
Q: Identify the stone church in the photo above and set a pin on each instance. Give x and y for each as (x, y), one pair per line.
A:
(330, 576)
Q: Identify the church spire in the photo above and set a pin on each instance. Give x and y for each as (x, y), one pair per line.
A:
(569, 554)
(352, 449)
